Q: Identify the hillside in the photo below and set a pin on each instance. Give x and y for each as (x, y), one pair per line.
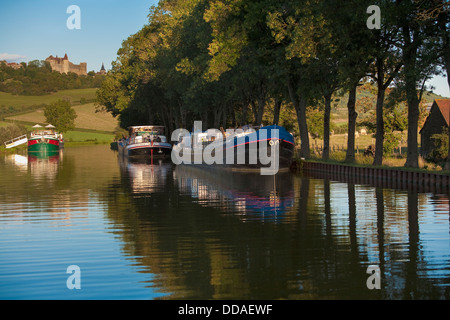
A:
(29, 109)
(87, 118)
(365, 103)
(13, 104)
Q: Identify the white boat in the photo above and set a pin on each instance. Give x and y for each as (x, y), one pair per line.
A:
(147, 141)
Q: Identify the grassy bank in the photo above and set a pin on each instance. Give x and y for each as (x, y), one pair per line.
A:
(73, 138)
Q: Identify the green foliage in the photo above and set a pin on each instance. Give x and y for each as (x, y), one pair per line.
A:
(225, 62)
(440, 150)
(60, 114)
(10, 132)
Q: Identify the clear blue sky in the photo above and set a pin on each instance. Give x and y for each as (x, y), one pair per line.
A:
(36, 29)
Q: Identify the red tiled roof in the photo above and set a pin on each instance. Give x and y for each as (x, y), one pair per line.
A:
(444, 107)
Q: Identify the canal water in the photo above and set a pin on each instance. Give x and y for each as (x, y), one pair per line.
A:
(142, 231)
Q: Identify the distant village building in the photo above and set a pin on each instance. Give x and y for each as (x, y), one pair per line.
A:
(102, 70)
(437, 119)
(13, 65)
(63, 65)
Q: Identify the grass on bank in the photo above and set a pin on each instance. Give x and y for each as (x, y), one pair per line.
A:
(72, 138)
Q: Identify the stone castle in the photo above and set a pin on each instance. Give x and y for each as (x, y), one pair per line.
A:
(63, 65)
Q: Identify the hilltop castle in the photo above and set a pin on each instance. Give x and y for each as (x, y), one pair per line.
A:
(63, 65)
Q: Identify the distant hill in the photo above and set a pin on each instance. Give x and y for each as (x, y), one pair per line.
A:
(365, 103)
(37, 78)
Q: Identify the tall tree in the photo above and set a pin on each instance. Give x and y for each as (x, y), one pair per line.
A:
(439, 13)
(419, 60)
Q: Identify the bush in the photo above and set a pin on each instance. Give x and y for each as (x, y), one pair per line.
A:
(440, 150)
(11, 131)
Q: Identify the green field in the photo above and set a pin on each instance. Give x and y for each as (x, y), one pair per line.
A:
(74, 96)
(87, 118)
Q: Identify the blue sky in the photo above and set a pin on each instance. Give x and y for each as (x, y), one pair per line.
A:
(36, 29)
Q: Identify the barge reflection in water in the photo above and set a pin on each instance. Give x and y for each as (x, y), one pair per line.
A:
(242, 236)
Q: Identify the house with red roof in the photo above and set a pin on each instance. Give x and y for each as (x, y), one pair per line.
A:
(437, 120)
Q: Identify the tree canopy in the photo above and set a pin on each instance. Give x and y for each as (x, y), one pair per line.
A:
(37, 78)
(61, 114)
(227, 62)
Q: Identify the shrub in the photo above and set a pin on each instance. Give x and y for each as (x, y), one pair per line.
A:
(10, 132)
(440, 150)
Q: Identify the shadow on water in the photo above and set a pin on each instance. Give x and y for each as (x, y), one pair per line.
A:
(209, 234)
(186, 232)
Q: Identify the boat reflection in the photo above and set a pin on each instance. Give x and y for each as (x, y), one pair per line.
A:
(145, 177)
(247, 194)
(44, 166)
(18, 161)
(39, 165)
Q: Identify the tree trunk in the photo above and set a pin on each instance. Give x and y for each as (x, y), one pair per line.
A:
(163, 118)
(183, 116)
(412, 156)
(326, 128)
(255, 112)
(244, 114)
(352, 115)
(233, 117)
(300, 109)
(205, 120)
(276, 111)
(412, 40)
(379, 135)
(224, 118)
(442, 23)
(151, 116)
(261, 104)
(217, 114)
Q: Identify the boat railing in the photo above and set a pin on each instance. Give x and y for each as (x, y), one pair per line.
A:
(145, 139)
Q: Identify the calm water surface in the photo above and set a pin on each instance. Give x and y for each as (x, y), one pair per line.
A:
(139, 231)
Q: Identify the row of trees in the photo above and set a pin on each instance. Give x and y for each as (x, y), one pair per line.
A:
(225, 61)
(37, 78)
